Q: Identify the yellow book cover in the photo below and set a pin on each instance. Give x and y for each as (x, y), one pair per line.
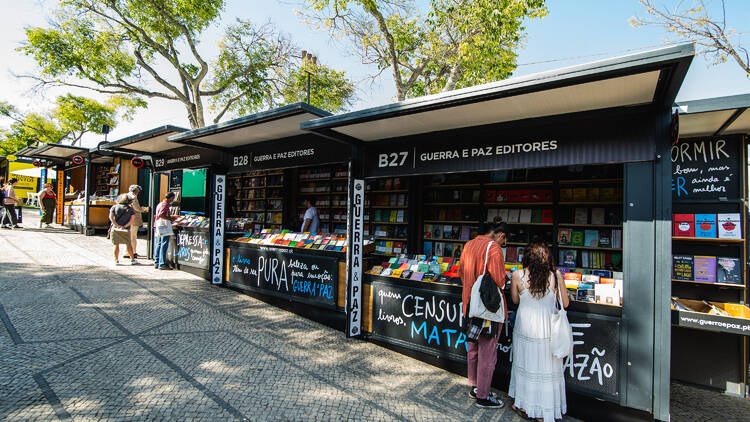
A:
(579, 194)
(592, 194)
(394, 215)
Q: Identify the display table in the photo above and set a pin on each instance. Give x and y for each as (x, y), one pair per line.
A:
(314, 277)
(428, 317)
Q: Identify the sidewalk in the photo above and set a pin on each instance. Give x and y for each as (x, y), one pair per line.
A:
(83, 340)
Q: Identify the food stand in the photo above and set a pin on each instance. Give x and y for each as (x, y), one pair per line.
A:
(575, 157)
(710, 316)
(186, 172)
(272, 167)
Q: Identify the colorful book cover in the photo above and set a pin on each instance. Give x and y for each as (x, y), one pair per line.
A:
(465, 233)
(547, 215)
(591, 238)
(568, 257)
(705, 268)
(576, 238)
(417, 276)
(602, 273)
(729, 226)
(684, 225)
(682, 267)
(586, 295)
(428, 248)
(728, 270)
(605, 239)
(705, 225)
(563, 236)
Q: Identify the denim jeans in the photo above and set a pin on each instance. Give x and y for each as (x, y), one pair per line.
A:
(160, 254)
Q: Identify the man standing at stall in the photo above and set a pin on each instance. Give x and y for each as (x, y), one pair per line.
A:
(311, 221)
(133, 192)
(163, 231)
(482, 353)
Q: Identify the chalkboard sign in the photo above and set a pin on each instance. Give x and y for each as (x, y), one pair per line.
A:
(432, 322)
(706, 169)
(192, 247)
(285, 272)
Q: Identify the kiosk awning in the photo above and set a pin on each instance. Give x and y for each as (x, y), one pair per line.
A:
(715, 116)
(650, 78)
(57, 151)
(282, 122)
(151, 141)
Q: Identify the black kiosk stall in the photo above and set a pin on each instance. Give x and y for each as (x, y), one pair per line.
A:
(187, 172)
(273, 168)
(577, 157)
(710, 316)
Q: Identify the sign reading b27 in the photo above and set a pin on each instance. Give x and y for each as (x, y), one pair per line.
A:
(392, 159)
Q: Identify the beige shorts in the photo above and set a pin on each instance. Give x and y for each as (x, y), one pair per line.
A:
(133, 234)
(119, 237)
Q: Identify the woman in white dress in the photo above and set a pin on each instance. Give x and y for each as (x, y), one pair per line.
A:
(536, 381)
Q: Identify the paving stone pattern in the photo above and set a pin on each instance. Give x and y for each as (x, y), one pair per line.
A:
(83, 340)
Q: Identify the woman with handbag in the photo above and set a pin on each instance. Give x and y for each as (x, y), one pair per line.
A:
(163, 226)
(537, 382)
(9, 204)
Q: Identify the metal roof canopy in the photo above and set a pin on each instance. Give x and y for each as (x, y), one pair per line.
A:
(649, 78)
(151, 141)
(282, 122)
(715, 116)
(24, 152)
(58, 151)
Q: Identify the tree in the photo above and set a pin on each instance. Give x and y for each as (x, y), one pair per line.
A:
(150, 48)
(70, 119)
(458, 43)
(330, 90)
(695, 23)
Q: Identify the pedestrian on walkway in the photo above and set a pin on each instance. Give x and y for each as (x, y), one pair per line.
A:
(9, 205)
(536, 380)
(122, 217)
(163, 232)
(48, 201)
(133, 192)
(482, 355)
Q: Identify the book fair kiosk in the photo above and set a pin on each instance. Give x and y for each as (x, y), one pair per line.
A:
(576, 157)
(186, 171)
(273, 167)
(710, 316)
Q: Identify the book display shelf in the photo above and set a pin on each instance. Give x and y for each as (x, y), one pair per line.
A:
(387, 215)
(328, 187)
(256, 200)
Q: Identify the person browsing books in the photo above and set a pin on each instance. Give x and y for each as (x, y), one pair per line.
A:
(133, 192)
(122, 217)
(482, 353)
(163, 225)
(311, 221)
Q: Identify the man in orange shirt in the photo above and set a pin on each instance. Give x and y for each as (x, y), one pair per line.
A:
(482, 354)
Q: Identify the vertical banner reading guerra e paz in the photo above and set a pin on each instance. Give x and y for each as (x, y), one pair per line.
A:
(354, 301)
(217, 225)
(706, 168)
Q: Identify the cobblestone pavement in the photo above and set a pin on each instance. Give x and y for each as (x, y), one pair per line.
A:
(83, 340)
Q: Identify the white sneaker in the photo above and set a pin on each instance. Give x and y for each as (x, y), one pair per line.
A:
(116, 263)
(133, 262)
(48, 226)
(40, 224)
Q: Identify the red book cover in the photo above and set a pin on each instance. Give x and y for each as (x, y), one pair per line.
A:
(515, 196)
(511, 254)
(547, 215)
(684, 225)
(489, 196)
(502, 196)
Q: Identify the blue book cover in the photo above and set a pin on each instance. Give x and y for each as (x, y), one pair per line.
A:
(428, 248)
(705, 225)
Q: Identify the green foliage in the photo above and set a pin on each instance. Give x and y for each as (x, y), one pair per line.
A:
(330, 90)
(150, 49)
(68, 121)
(457, 43)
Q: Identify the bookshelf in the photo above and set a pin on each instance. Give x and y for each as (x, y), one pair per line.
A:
(257, 197)
(328, 187)
(387, 215)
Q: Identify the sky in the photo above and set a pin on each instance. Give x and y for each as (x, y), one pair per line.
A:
(573, 32)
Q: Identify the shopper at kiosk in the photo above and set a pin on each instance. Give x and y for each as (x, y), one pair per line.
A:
(122, 217)
(133, 192)
(163, 225)
(48, 201)
(476, 258)
(311, 221)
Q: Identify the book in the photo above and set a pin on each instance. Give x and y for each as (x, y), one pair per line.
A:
(492, 215)
(536, 215)
(607, 294)
(465, 233)
(728, 270)
(590, 278)
(616, 239)
(597, 215)
(729, 226)
(705, 225)
(682, 267)
(586, 295)
(438, 249)
(591, 238)
(547, 216)
(447, 232)
(705, 268)
(581, 216)
(605, 239)
(563, 236)
(514, 215)
(683, 225)
(576, 238)
(502, 214)
(568, 257)
(519, 253)
(579, 194)
(511, 254)
(524, 215)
